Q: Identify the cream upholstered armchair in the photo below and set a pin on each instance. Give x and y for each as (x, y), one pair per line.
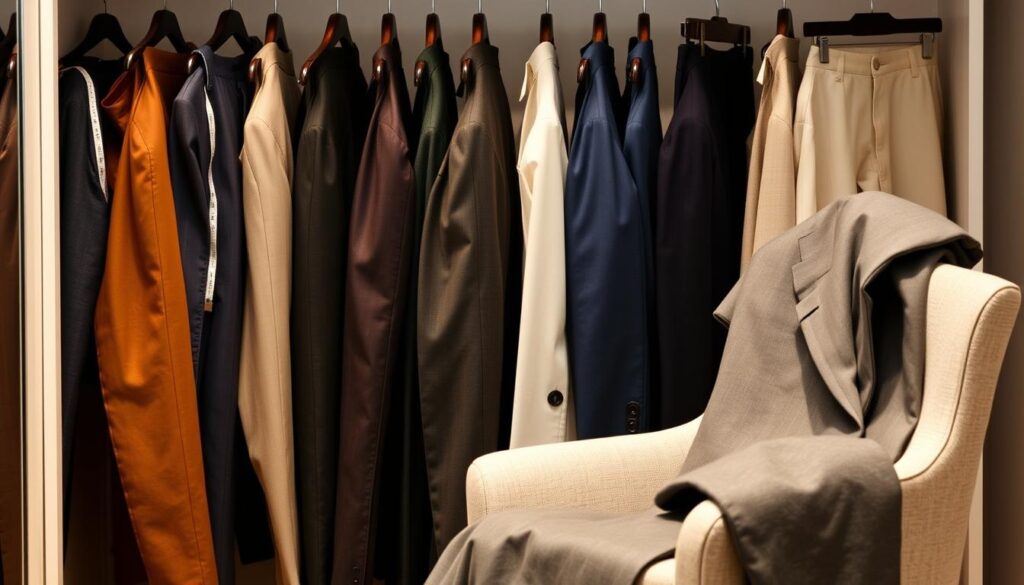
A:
(970, 316)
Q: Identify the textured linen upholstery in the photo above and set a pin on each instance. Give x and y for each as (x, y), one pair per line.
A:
(970, 317)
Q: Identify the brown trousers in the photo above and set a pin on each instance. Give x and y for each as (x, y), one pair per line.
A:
(10, 341)
(142, 337)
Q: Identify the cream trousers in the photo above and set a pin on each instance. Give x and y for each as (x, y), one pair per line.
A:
(869, 120)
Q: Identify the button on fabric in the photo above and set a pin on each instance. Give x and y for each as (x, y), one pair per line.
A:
(633, 409)
(555, 398)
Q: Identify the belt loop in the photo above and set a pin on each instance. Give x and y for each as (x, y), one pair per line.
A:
(841, 68)
(914, 67)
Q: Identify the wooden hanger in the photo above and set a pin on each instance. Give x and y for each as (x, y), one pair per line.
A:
(8, 43)
(643, 25)
(480, 32)
(163, 26)
(873, 24)
(433, 34)
(337, 31)
(547, 25)
(600, 34)
(783, 26)
(275, 34)
(433, 38)
(388, 29)
(717, 29)
(103, 27)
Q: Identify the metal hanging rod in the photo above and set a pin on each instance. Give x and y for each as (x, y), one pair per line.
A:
(718, 9)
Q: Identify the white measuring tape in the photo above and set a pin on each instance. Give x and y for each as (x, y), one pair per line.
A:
(97, 131)
(211, 268)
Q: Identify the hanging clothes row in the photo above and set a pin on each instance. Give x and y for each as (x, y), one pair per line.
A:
(314, 301)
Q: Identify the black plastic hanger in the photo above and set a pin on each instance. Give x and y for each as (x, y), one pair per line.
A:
(783, 26)
(547, 25)
(103, 27)
(433, 38)
(230, 25)
(873, 23)
(163, 26)
(717, 29)
(337, 31)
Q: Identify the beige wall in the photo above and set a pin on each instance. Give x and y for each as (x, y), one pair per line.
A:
(1004, 249)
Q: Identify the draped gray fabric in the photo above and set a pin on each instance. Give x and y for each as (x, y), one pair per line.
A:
(825, 350)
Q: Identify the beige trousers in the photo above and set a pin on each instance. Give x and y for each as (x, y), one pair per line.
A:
(869, 120)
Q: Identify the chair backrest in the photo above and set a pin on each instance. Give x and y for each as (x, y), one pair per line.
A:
(970, 317)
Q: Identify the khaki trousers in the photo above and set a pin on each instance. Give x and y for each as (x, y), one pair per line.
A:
(869, 120)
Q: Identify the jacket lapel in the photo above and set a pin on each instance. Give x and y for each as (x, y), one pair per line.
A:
(823, 334)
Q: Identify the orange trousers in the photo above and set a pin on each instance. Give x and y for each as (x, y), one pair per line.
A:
(142, 337)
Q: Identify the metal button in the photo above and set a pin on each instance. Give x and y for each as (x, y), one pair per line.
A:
(632, 425)
(633, 409)
(555, 398)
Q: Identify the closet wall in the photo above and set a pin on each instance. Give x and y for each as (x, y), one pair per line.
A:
(1004, 244)
(514, 27)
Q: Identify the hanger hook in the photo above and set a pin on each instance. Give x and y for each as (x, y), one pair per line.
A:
(600, 5)
(480, 6)
(389, 6)
(547, 6)
(105, 9)
(433, 7)
(718, 9)
(275, 6)
(645, 7)
(872, 6)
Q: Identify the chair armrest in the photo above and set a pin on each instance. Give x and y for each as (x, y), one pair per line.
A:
(705, 554)
(616, 474)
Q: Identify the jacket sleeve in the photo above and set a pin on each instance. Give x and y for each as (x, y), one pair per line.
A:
(543, 362)
(461, 315)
